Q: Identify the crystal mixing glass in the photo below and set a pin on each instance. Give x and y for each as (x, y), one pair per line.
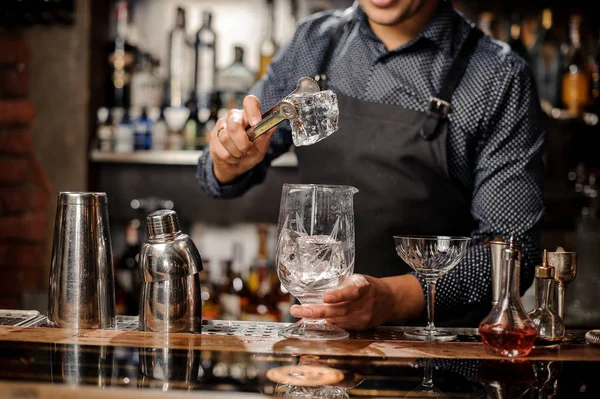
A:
(315, 249)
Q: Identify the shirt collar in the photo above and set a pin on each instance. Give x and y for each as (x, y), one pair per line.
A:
(438, 31)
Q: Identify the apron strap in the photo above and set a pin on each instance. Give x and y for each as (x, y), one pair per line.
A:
(439, 106)
(321, 77)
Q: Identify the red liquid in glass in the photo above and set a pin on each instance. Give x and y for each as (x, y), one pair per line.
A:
(507, 340)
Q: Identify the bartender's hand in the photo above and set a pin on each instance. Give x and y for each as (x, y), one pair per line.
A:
(364, 302)
(232, 151)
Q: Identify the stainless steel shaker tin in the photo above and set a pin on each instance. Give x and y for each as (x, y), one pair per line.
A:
(81, 292)
(170, 298)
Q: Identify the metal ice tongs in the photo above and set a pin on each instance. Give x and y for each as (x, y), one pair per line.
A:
(283, 110)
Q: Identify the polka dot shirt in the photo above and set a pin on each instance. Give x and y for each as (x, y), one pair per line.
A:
(495, 140)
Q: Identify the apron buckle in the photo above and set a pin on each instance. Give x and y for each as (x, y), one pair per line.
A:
(437, 111)
(439, 106)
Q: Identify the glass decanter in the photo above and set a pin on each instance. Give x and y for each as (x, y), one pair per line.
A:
(507, 330)
(550, 326)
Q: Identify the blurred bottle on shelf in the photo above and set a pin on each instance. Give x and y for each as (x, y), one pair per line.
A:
(547, 63)
(501, 28)
(262, 304)
(176, 118)
(127, 275)
(177, 60)
(142, 136)
(268, 46)
(234, 293)
(594, 66)
(104, 131)
(211, 308)
(205, 65)
(234, 81)
(124, 131)
(146, 86)
(121, 58)
(193, 127)
(516, 41)
(575, 79)
(590, 192)
(485, 22)
(158, 130)
(531, 33)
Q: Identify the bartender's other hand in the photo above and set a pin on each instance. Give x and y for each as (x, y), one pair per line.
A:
(361, 303)
(232, 151)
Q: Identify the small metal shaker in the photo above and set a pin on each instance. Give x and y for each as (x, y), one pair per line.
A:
(170, 298)
(82, 287)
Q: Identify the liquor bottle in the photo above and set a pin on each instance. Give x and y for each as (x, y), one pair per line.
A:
(530, 33)
(234, 292)
(235, 81)
(159, 132)
(595, 75)
(128, 273)
(104, 133)
(268, 46)
(121, 57)
(177, 59)
(261, 305)
(211, 308)
(295, 11)
(124, 131)
(141, 127)
(192, 126)
(485, 22)
(205, 64)
(516, 42)
(145, 84)
(575, 78)
(547, 63)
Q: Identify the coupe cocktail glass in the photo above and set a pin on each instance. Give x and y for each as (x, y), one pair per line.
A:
(315, 249)
(431, 257)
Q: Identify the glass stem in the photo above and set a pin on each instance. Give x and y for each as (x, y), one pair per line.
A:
(428, 376)
(561, 301)
(430, 304)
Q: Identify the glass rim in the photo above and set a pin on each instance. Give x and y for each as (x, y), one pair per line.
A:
(313, 185)
(430, 237)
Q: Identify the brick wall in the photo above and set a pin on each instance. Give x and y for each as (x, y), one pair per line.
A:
(24, 189)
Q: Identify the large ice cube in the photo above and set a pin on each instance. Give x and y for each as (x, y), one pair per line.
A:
(317, 116)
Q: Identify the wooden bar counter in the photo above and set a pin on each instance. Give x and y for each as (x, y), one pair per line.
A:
(246, 359)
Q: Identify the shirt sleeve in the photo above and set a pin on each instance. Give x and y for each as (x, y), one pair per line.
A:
(507, 195)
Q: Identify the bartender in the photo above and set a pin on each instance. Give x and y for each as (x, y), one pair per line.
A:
(439, 129)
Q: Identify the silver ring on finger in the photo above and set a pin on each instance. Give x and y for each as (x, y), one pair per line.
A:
(219, 131)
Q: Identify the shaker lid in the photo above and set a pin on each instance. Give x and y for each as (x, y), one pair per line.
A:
(544, 270)
(162, 222)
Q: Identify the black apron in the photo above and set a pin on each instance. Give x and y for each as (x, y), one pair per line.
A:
(396, 157)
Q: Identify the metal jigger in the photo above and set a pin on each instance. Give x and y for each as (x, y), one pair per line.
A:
(565, 270)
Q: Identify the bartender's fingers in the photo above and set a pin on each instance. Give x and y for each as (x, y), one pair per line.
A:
(229, 134)
(218, 151)
(326, 311)
(252, 110)
(355, 287)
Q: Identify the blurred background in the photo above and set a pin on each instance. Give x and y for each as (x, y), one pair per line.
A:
(116, 96)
